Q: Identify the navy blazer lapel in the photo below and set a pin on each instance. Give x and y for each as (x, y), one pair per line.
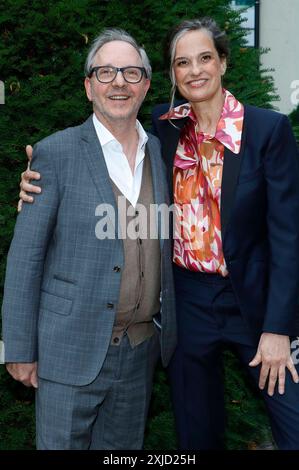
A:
(169, 137)
(158, 177)
(97, 167)
(172, 135)
(231, 169)
(170, 142)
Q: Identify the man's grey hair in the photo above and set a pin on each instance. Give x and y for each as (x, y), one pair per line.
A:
(116, 34)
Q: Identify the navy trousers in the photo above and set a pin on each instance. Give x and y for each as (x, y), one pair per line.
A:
(208, 319)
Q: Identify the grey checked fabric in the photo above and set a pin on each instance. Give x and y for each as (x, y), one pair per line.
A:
(109, 413)
(61, 289)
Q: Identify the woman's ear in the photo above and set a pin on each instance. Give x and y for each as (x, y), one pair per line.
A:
(223, 65)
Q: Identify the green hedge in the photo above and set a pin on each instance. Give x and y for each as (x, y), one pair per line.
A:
(294, 118)
(43, 46)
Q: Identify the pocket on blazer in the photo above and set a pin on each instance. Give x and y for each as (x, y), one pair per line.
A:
(55, 304)
(58, 277)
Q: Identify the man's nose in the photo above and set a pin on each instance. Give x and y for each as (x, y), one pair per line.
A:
(119, 79)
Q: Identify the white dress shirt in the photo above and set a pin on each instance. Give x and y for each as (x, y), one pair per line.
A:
(117, 163)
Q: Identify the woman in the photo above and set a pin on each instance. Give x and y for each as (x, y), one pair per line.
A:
(234, 170)
(234, 174)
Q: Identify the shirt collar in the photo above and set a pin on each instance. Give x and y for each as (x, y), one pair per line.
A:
(229, 127)
(105, 136)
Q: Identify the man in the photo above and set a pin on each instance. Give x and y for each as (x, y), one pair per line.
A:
(80, 299)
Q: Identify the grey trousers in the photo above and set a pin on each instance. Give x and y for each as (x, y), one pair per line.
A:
(110, 412)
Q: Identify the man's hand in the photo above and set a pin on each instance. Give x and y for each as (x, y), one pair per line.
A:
(274, 353)
(25, 372)
(25, 185)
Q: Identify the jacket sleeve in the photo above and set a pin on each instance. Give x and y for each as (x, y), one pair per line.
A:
(282, 180)
(25, 263)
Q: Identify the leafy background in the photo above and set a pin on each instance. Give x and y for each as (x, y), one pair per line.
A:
(43, 46)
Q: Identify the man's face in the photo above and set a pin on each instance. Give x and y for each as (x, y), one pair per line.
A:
(118, 100)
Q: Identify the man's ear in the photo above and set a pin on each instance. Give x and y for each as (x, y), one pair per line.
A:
(87, 85)
(147, 86)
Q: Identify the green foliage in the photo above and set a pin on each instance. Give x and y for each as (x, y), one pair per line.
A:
(16, 415)
(160, 432)
(43, 46)
(294, 118)
(247, 423)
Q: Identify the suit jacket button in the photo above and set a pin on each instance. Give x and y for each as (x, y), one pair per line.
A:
(116, 340)
(116, 269)
(109, 305)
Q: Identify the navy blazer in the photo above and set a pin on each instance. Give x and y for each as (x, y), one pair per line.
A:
(259, 217)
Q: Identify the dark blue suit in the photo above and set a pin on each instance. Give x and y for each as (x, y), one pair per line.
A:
(260, 235)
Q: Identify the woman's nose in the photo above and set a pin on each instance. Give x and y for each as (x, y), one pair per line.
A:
(195, 68)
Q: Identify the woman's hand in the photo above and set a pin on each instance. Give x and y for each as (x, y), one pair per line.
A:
(274, 353)
(26, 177)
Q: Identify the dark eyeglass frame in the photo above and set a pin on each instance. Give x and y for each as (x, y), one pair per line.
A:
(116, 70)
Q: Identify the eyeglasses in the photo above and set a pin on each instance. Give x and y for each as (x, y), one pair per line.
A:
(106, 74)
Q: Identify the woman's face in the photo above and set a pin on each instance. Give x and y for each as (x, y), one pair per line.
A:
(197, 67)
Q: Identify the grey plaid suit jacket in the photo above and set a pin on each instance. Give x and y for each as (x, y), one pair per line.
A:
(61, 290)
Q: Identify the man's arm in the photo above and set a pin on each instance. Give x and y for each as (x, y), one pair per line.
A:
(25, 265)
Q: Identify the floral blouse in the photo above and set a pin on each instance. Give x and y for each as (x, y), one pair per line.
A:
(197, 176)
